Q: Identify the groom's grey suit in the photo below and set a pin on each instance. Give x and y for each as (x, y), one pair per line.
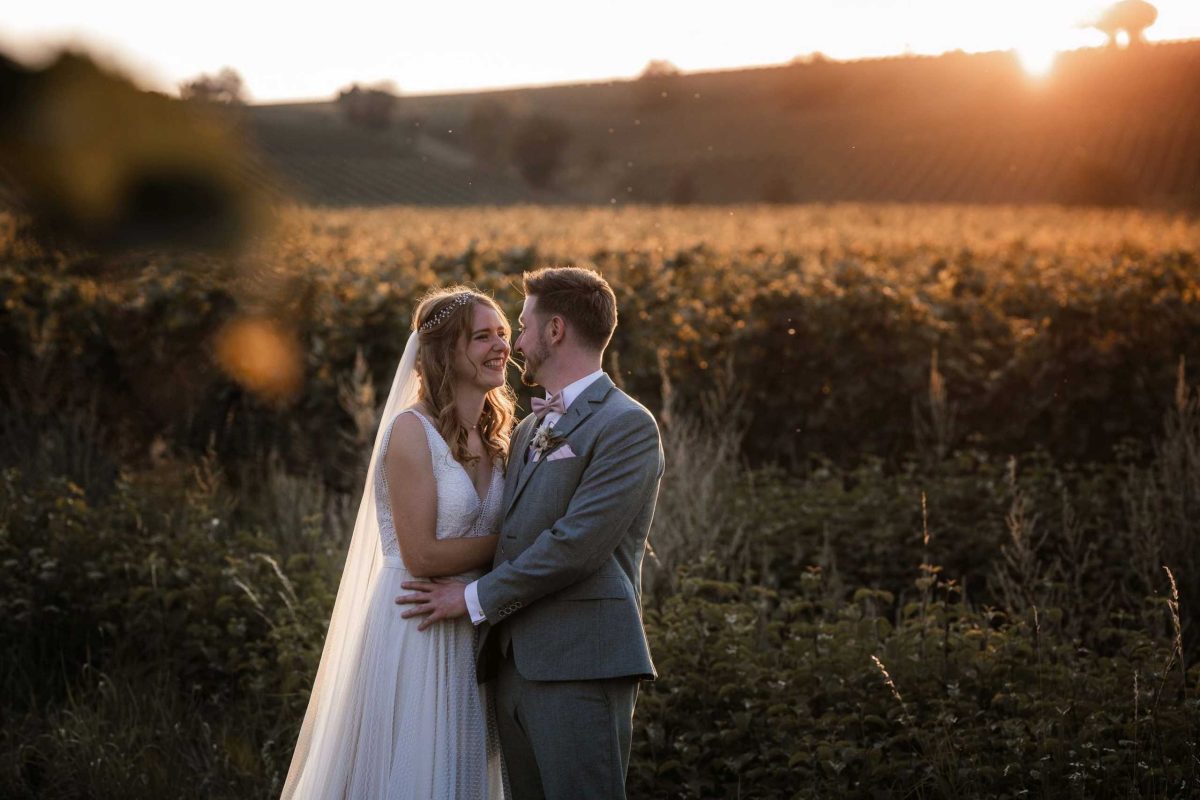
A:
(564, 635)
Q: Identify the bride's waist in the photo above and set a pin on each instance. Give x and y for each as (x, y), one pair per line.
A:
(397, 563)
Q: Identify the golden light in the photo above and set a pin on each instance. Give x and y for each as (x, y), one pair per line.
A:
(1037, 32)
(1037, 59)
(261, 356)
(499, 48)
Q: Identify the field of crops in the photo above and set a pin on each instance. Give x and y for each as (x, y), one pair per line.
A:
(926, 466)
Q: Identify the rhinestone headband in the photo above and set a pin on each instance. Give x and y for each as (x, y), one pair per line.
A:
(440, 317)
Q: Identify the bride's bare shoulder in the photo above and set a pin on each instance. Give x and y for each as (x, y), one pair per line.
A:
(408, 444)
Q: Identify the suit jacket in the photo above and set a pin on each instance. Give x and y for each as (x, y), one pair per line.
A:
(567, 577)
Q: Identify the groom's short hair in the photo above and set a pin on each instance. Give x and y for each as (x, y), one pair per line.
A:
(580, 296)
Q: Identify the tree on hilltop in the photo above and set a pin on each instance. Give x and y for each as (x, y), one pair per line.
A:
(656, 86)
(659, 68)
(1131, 16)
(226, 88)
(369, 106)
(815, 57)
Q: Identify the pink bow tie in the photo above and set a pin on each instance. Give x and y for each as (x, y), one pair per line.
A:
(543, 407)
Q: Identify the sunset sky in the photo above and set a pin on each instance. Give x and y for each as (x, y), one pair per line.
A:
(290, 51)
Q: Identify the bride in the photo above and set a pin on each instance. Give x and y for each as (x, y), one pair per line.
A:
(395, 711)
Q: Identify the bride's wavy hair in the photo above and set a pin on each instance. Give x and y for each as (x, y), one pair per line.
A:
(443, 320)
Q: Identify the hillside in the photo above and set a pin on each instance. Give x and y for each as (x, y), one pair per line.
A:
(320, 158)
(1106, 127)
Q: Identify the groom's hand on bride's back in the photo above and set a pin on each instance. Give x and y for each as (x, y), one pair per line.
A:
(436, 600)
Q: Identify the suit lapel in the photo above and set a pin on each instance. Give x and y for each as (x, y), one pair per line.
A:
(580, 410)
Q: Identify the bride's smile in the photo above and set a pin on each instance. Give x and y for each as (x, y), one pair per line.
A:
(483, 359)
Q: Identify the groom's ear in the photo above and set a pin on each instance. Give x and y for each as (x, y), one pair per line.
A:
(557, 329)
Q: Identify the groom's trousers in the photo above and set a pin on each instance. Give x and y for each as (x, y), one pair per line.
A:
(564, 740)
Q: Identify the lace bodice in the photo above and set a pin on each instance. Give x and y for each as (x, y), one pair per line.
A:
(460, 512)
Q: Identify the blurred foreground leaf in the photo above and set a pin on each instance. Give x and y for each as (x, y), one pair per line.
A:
(98, 161)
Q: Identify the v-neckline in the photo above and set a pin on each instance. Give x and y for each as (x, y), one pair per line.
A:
(491, 480)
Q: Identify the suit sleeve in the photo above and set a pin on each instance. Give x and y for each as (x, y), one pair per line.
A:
(616, 485)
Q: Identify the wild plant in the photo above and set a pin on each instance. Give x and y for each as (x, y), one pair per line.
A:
(695, 518)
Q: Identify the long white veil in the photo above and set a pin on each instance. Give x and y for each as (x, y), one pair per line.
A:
(328, 720)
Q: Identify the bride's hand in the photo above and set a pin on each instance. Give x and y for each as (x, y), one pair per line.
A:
(437, 600)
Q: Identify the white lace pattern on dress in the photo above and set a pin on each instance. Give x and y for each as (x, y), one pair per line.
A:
(460, 512)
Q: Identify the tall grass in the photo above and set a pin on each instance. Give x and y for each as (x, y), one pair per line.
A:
(696, 517)
(135, 736)
(1162, 505)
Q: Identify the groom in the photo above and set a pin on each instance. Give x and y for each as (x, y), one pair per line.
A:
(560, 612)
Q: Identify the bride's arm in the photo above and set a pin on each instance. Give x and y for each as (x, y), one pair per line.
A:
(412, 493)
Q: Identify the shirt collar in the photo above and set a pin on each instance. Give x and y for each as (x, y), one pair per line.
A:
(570, 392)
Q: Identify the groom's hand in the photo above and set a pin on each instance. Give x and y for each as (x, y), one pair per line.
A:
(437, 600)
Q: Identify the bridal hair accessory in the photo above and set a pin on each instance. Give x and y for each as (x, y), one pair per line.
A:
(440, 316)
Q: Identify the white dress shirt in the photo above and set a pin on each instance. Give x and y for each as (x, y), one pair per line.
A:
(569, 394)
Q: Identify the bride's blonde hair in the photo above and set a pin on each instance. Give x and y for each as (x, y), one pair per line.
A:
(443, 319)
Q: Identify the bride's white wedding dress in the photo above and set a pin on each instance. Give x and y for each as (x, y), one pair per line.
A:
(417, 723)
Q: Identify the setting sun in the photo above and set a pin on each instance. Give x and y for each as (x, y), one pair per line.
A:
(1037, 60)
(1037, 33)
(1040, 33)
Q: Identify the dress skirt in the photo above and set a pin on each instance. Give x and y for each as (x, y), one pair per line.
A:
(425, 728)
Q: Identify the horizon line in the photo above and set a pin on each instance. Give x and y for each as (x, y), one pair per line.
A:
(816, 56)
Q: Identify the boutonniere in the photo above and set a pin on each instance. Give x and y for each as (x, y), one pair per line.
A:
(545, 441)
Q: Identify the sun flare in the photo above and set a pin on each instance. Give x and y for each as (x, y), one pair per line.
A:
(1037, 60)
(1038, 34)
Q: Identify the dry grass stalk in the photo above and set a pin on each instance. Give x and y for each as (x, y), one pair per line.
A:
(936, 430)
(1173, 607)
(906, 718)
(1176, 643)
(924, 522)
(1020, 575)
(356, 396)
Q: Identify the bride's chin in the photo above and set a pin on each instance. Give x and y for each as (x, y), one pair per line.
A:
(490, 382)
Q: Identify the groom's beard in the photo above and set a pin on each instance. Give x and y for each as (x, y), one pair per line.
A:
(533, 360)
